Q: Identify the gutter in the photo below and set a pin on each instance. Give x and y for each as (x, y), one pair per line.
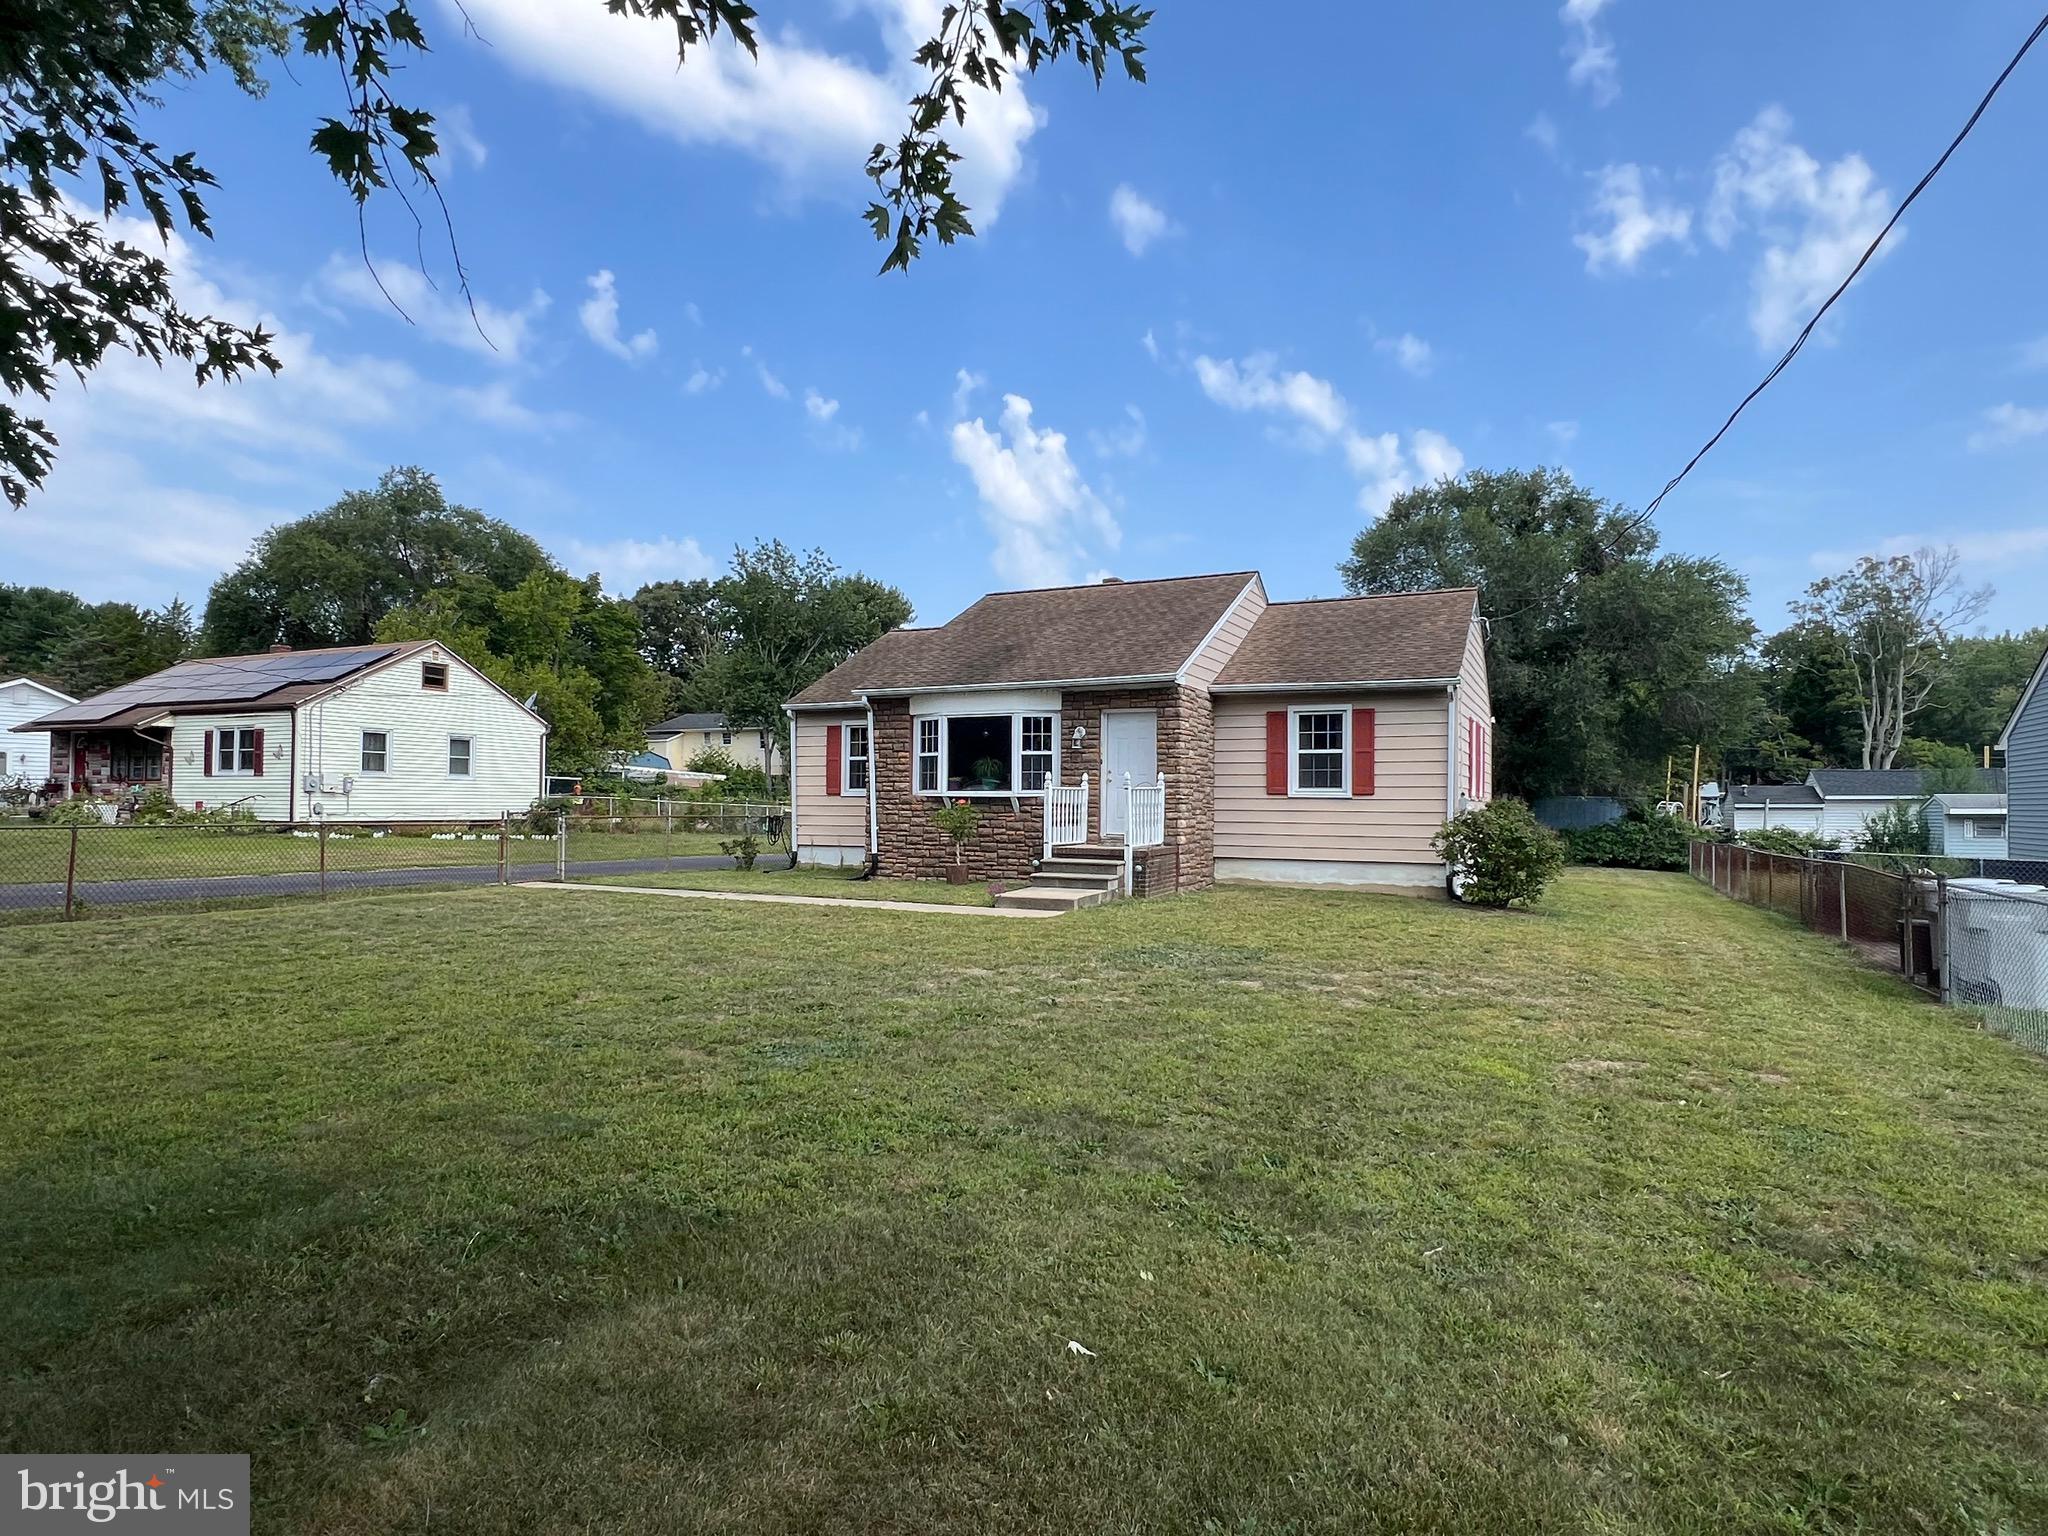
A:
(862, 695)
(790, 767)
(1394, 685)
(874, 761)
(1450, 749)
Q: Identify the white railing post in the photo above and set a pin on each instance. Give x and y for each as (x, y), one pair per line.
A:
(1052, 806)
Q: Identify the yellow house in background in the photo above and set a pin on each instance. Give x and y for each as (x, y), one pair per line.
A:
(685, 736)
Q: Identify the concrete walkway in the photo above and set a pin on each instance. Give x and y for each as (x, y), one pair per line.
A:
(794, 901)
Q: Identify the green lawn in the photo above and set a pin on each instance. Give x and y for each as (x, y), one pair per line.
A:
(772, 877)
(37, 854)
(516, 1210)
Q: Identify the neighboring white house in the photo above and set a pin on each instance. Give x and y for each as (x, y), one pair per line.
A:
(26, 755)
(1966, 826)
(1786, 807)
(1833, 803)
(399, 732)
(684, 736)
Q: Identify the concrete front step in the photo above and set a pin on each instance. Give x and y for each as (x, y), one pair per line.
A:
(1076, 880)
(1061, 864)
(1045, 898)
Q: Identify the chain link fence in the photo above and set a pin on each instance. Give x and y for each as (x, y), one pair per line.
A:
(680, 834)
(1974, 939)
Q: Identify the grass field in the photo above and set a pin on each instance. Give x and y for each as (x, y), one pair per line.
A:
(34, 855)
(514, 1211)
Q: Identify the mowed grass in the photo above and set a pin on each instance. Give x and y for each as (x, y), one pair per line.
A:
(37, 855)
(519, 1210)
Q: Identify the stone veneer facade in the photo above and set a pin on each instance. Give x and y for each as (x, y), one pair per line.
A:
(1007, 842)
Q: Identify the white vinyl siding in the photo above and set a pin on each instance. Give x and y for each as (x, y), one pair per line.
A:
(267, 797)
(1392, 825)
(28, 754)
(1475, 703)
(1841, 821)
(822, 820)
(419, 726)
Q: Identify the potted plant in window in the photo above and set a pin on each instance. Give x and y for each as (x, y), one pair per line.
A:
(957, 819)
(988, 773)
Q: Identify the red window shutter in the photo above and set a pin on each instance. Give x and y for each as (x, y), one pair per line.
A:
(1276, 751)
(208, 770)
(1363, 749)
(259, 751)
(832, 735)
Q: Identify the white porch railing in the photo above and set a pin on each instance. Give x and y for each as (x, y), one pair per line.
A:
(1144, 821)
(1066, 814)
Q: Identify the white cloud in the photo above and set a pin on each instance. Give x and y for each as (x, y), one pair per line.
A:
(1042, 512)
(1993, 547)
(769, 382)
(818, 407)
(1589, 51)
(1564, 433)
(2009, 423)
(1139, 222)
(1150, 344)
(2035, 353)
(1435, 456)
(1321, 417)
(457, 129)
(810, 113)
(1254, 385)
(964, 386)
(1815, 221)
(693, 314)
(600, 317)
(1637, 220)
(1126, 440)
(495, 405)
(1410, 351)
(627, 564)
(1542, 132)
(703, 380)
(441, 312)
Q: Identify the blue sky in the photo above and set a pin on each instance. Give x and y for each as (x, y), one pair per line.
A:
(1210, 323)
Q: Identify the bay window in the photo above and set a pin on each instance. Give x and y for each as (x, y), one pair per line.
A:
(1011, 754)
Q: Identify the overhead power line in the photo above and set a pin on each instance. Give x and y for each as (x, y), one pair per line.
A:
(1863, 261)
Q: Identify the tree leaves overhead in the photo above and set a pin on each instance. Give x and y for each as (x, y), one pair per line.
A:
(75, 75)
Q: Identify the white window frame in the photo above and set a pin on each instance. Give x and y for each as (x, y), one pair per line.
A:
(229, 739)
(1342, 749)
(1016, 717)
(936, 756)
(848, 757)
(362, 751)
(468, 756)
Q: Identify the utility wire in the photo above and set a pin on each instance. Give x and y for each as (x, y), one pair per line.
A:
(1792, 351)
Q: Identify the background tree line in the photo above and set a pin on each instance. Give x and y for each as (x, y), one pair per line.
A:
(400, 562)
(1609, 659)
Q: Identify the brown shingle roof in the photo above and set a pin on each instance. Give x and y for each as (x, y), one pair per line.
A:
(1113, 629)
(1401, 637)
(864, 668)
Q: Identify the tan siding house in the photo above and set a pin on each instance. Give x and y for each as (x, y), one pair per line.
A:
(1188, 727)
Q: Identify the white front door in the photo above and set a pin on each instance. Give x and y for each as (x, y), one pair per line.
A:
(1130, 745)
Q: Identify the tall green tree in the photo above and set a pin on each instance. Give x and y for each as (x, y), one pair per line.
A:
(331, 577)
(1807, 715)
(782, 621)
(35, 622)
(1973, 698)
(678, 628)
(77, 78)
(86, 648)
(1604, 656)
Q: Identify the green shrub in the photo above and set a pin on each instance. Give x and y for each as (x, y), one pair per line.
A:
(958, 819)
(1802, 845)
(1504, 854)
(744, 850)
(1653, 842)
(741, 782)
(76, 813)
(1900, 827)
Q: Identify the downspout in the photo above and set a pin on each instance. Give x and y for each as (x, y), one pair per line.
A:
(1451, 751)
(874, 863)
(790, 715)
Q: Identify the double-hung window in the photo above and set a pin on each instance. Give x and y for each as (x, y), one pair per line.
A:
(855, 778)
(1319, 751)
(1034, 750)
(458, 757)
(376, 755)
(928, 780)
(235, 750)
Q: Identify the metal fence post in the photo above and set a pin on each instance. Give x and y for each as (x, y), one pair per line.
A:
(323, 861)
(562, 849)
(70, 875)
(667, 844)
(1941, 931)
(504, 848)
